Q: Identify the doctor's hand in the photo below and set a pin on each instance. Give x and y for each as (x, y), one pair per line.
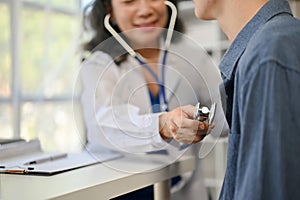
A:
(180, 125)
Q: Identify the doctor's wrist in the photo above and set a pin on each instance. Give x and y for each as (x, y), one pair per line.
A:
(163, 131)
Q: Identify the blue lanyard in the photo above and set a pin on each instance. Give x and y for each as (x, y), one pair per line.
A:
(160, 83)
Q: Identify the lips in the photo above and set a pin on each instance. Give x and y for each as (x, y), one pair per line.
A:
(147, 26)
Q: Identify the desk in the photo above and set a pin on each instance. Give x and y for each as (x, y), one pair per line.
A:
(100, 181)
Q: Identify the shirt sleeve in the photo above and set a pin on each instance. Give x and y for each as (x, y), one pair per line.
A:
(269, 130)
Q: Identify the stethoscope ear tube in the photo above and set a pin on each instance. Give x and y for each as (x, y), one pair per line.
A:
(125, 44)
(117, 36)
(171, 24)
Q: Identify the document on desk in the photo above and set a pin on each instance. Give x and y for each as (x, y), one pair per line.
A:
(41, 163)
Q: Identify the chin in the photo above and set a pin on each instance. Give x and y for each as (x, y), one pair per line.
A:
(202, 16)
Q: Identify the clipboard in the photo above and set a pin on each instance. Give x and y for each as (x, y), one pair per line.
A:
(33, 161)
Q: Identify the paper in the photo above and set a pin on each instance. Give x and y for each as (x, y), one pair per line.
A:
(49, 163)
(17, 148)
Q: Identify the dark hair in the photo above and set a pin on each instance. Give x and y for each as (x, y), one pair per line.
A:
(93, 19)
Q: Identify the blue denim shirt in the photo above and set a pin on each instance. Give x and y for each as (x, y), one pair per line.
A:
(261, 73)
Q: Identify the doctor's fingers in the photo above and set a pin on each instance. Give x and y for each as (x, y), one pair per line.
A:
(185, 122)
(204, 128)
(185, 125)
(187, 136)
(189, 110)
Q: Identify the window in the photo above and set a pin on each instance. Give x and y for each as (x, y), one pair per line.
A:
(38, 68)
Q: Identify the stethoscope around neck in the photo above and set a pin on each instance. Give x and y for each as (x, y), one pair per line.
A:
(160, 82)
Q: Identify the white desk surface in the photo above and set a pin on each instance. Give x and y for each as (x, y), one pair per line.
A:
(100, 181)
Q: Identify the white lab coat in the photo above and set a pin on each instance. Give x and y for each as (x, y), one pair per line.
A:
(117, 107)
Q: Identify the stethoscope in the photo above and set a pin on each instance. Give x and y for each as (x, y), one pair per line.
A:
(204, 114)
(141, 61)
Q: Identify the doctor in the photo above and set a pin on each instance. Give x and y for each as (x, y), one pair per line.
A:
(122, 98)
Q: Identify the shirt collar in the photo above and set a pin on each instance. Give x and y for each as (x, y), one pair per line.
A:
(236, 49)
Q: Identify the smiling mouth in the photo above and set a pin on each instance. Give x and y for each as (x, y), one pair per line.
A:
(147, 27)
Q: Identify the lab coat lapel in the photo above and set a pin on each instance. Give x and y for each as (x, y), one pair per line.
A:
(172, 81)
(138, 91)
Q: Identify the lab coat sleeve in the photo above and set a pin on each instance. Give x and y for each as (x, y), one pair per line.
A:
(118, 126)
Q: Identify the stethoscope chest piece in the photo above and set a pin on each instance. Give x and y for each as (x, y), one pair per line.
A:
(204, 114)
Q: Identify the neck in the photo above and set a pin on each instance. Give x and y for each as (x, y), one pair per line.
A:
(237, 14)
(145, 48)
(151, 58)
(150, 54)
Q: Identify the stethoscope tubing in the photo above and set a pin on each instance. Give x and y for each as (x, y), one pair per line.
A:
(126, 46)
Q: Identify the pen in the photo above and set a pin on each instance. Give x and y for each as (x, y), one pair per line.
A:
(19, 171)
(46, 159)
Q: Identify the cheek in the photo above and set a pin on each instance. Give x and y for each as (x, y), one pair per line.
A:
(161, 12)
(120, 15)
(123, 21)
(163, 17)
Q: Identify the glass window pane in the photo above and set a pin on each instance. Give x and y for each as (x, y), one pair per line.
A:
(32, 50)
(49, 60)
(68, 4)
(53, 124)
(37, 1)
(5, 61)
(6, 127)
(63, 59)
